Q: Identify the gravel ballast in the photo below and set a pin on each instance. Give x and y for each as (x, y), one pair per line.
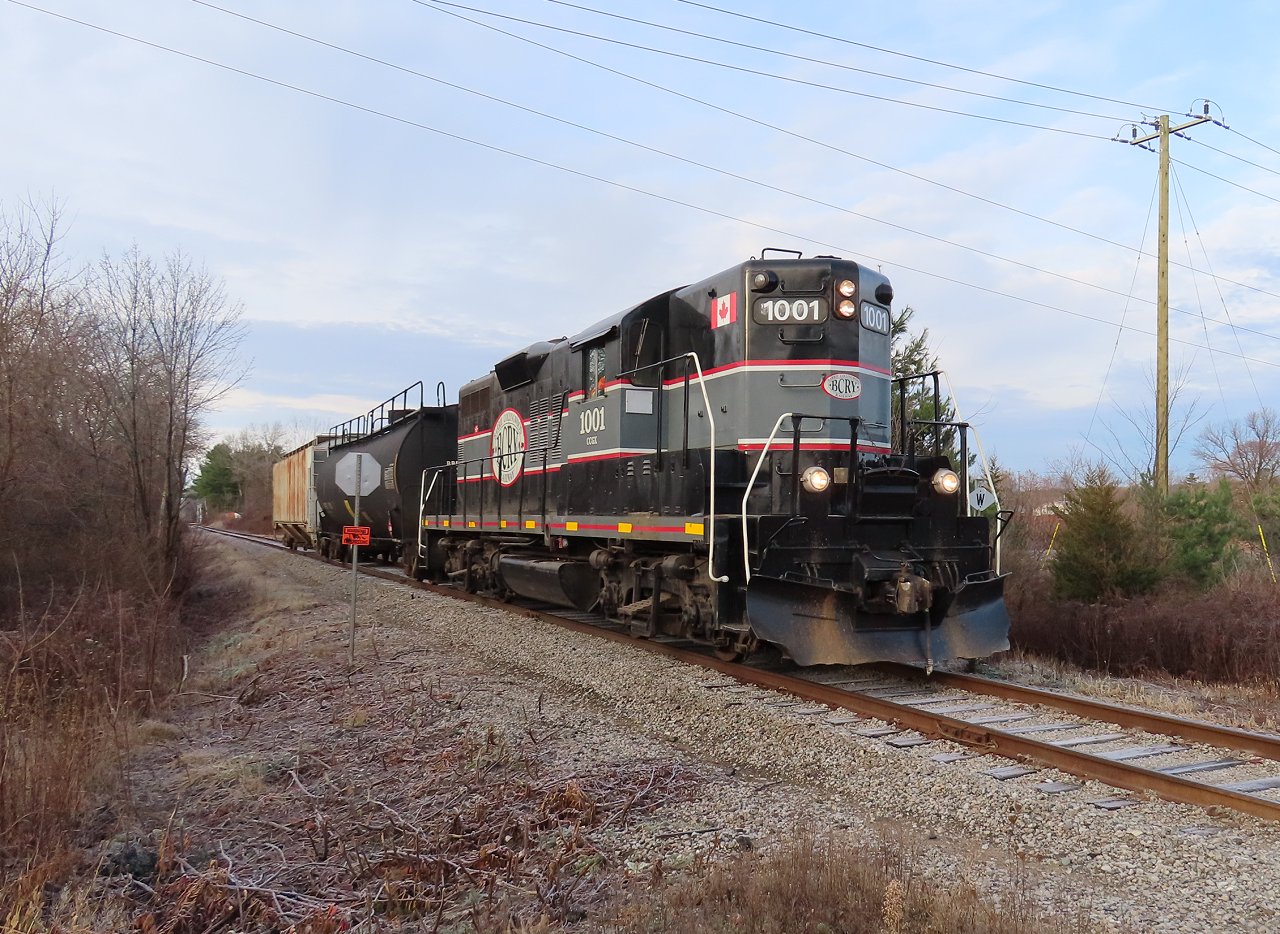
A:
(766, 767)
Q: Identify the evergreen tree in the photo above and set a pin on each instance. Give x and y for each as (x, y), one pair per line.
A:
(1266, 514)
(911, 356)
(1100, 553)
(1201, 529)
(216, 483)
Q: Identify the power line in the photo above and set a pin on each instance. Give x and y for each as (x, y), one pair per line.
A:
(1232, 155)
(1115, 347)
(405, 121)
(920, 58)
(1177, 180)
(1179, 200)
(1252, 140)
(767, 74)
(824, 62)
(1227, 181)
(674, 156)
(814, 141)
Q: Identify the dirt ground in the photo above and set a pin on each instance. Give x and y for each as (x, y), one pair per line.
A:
(436, 787)
(287, 788)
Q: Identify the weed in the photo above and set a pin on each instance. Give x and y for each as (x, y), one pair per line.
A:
(816, 884)
(1227, 634)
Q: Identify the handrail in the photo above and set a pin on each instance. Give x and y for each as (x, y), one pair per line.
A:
(964, 428)
(422, 510)
(711, 506)
(424, 491)
(746, 550)
(711, 423)
(982, 460)
(361, 426)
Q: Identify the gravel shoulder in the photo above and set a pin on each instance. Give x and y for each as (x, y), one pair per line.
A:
(274, 725)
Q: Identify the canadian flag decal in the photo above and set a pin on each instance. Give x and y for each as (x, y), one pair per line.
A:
(724, 310)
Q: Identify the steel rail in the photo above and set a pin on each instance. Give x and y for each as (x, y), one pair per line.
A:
(1152, 721)
(265, 540)
(1008, 745)
(1013, 746)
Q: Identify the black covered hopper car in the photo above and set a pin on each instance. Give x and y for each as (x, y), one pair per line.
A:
(716, 463)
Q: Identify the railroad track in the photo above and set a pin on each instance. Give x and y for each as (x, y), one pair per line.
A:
(1037, 728)
(246, 536)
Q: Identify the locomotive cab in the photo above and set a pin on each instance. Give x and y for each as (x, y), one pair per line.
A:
(850, 551)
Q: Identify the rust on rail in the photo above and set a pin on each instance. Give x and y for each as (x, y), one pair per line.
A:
(1152, 721)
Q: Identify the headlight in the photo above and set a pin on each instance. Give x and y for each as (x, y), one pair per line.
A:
(763, 281)
(846, 309)
(847, 287)
(815, 479)
(946, 481)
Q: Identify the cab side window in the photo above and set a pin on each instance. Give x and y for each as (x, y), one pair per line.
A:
(593, 371)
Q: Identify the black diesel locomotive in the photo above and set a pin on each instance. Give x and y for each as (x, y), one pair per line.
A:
(717, 463)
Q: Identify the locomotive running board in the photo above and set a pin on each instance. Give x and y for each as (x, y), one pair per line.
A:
(815, 625)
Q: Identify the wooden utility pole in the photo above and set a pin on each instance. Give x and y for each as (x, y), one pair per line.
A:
(1162, 132)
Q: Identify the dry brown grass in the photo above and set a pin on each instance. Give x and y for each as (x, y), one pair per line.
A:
(81, 678)
(75, 676)
(822, 885)
(1230, 634)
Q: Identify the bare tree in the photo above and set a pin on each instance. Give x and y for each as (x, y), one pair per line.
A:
(253, 452)
(1247, 450)
(1136, 462)
(167, 342)
(33, 290)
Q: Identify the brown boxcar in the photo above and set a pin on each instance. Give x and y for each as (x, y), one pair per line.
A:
(294, 514)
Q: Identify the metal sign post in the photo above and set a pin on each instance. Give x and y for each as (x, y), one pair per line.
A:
(356, 474)
(355, 565)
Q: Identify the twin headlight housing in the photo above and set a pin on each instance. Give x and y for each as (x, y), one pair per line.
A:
(847, 308)
(816, 480)
(766, 280)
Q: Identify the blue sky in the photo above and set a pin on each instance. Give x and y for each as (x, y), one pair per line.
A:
(369, 252)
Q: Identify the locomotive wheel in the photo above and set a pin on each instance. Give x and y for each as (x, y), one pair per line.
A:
(738, 649)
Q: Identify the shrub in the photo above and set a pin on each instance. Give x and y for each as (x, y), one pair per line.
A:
(1100, 553)
(1266, 516)
(1202, 527)
(821, 885)
(1226, 634)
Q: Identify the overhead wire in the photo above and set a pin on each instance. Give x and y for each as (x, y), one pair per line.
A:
(1195, 284)
(682, 159)
(1115, 347)
(1229, 155)
(767, 74)
(1231, 129)
(1221, 298)
(405, 121)
(805, 138)
(921, 58)
(827, 63)
(1252, 191)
